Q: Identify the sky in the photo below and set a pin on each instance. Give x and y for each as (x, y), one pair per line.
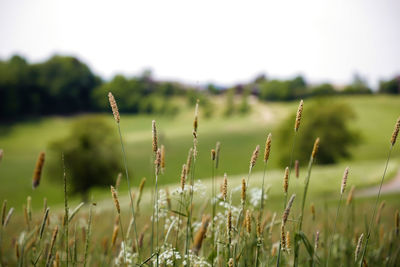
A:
(218, 41)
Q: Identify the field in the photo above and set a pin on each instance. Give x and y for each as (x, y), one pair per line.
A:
(375, 117)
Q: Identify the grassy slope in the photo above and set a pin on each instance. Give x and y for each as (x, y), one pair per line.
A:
(239, 135)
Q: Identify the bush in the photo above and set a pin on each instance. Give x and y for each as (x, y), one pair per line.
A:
(329, 122)
(91, 155)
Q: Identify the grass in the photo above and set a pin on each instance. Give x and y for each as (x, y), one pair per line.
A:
(23, 141)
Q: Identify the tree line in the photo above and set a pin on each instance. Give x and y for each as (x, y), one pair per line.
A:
(65, 85)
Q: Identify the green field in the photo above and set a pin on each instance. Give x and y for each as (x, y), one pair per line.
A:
(375, 117)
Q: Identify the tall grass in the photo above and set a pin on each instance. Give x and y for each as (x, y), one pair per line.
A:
(237, 227)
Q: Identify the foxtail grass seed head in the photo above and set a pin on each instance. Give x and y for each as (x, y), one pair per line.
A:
(350, 195)
(395, 132)
(230, 262)
(217, 151)
(115, 198)
(141, 187)
(225, 187)
(189, 161)
(273, 251)
(287, 240)
(315, 148)
(154, 136)
(53, 239)
(259, 229)
(283, 237)
(358, 247)
(56, 262)
(298, 116)
(296, 168)
(316, 242)
(157, 162)
(313, 211)
(3, 212)
(213, 154)
(286, 180)
(162, 157)
(196, 117)
(287, 210)
(199, 237)
(114, 107)
(379, 214)
(118, 181)
(254, 157)
(344, 180)
(229, 224)
(8, 217)
(248, 221)
(267, 150)
(397, 222)
(243, 193)
(38, 170)
(114, 235)
(183, 177)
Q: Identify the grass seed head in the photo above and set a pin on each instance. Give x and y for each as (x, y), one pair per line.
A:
(283, 237)
(287, 210)
(157, 162)
(183, 177)
(115, 198)
(344, 180)
(114, 235)
(230, 262)
(358, 247)
(1, 154)
(213, 154)
(254, 156)
(217, 151)
(154, 136)
(199, 237)
(162, 157)
(114, 107)
(287, 240)
(395, 132)
(313, 211)
(38, 170)
(229, 224)
(316, 243)
(243, 192)
(225, 187)
(196, 117)
(286, 180)
(296, 168)
(267, 150)
(298, 116)
(248, 221)
(350, 195)
(315, 148)
(189, 161)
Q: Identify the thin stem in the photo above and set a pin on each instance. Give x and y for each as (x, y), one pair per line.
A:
(177, 230)
(376, 205)
(334, 230)
(129, 188)
(261, 210)
(213, 200)
(123, 237)
(189, 221)
(156, 204)
(88, 229)
(66, 216)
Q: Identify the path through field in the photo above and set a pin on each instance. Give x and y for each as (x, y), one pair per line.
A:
(392, 186)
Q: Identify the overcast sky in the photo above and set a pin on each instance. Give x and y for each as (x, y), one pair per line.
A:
(211, 40)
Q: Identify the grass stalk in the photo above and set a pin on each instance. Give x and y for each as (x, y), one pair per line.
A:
(66, 215)
(371, 223)
(88, 232)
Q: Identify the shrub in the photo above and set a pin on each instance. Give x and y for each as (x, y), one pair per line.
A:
(330, 122)
(91, 155)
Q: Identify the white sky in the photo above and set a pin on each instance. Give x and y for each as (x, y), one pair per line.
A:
(211, 40)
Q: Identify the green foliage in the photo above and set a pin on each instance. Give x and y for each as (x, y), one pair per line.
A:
(229, 105)
(244, 105)
(90, 152)
(390, 86)
(322, 89)
(329, 122)
(278, 90)
(358, 86)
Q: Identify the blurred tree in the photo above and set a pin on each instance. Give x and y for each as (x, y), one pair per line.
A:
(244, 105)
(326, 120)
(390, 86)
(230, 104)
(322, 89)
(91, 155)
(67, 84)
(358, 86)
(275, 90)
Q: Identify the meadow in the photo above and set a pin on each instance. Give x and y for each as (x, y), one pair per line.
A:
(238, 135)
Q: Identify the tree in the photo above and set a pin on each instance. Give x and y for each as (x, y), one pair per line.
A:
(358, 86)
(390, 86)
(323, 89)
(91, 155)
(326, 120)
